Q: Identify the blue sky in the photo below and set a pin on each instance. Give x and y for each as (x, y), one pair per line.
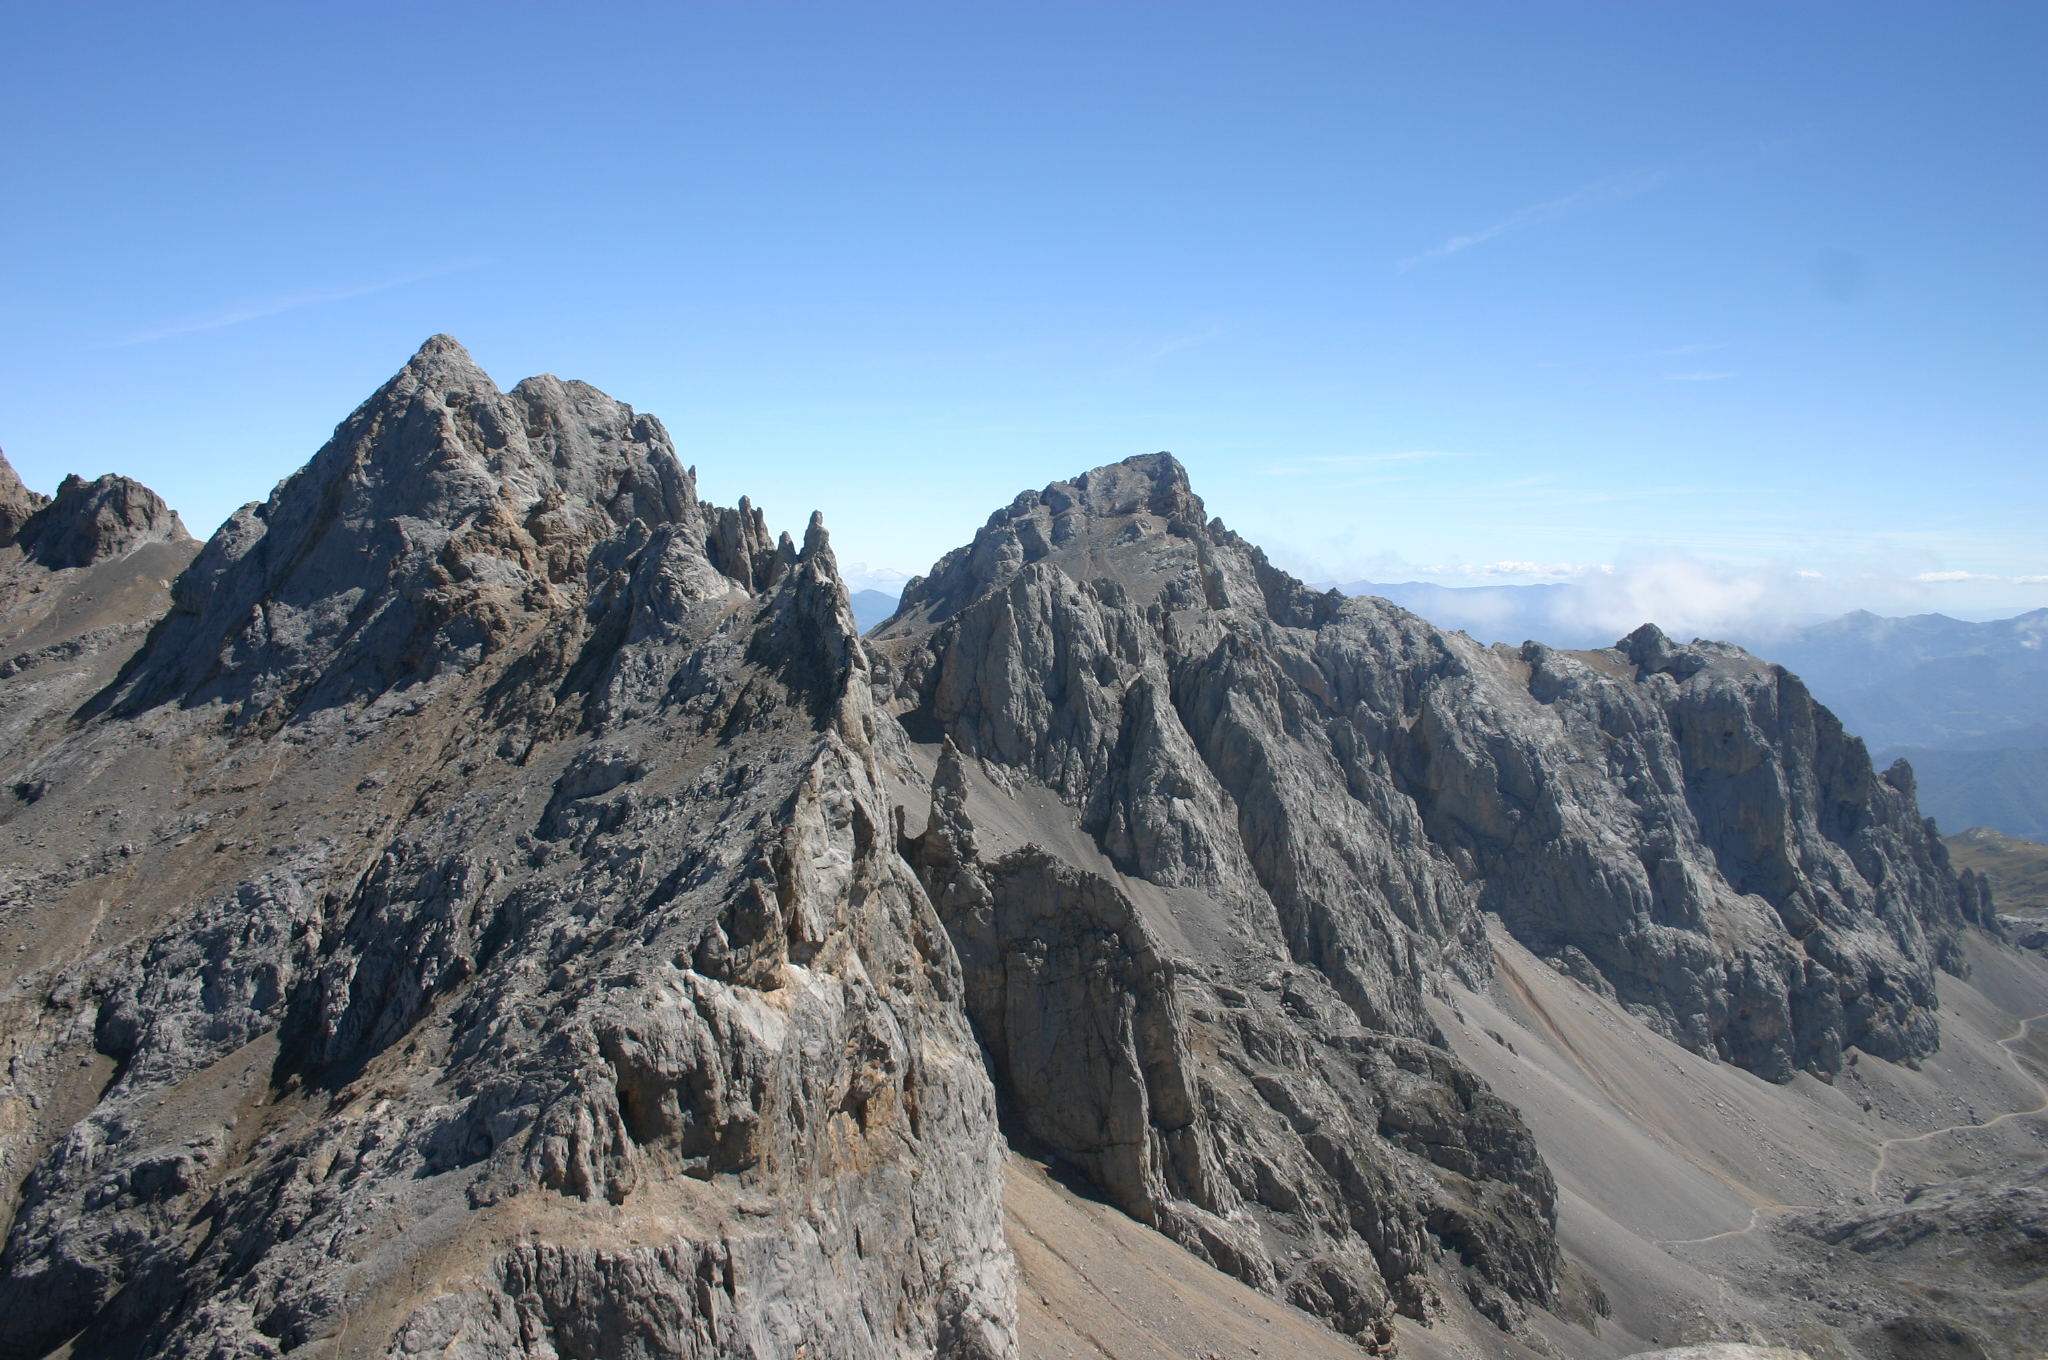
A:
(1747, 295)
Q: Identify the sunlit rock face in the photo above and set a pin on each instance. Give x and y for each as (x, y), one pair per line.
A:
(488, 902)
(516, 963)
(1295, 812)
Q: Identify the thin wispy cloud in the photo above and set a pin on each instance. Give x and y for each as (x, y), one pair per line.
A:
(1531, 571)
(1294, 467)
(1403, 456)
(1599, 193)
(271, 304)
(1181, 342)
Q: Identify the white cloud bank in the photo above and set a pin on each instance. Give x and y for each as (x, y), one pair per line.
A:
(1586, 604)
(860, 576)
(1593, 603)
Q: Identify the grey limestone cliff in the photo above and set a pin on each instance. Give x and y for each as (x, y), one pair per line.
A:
(1273, 819)
(493, 903)
(504, 955)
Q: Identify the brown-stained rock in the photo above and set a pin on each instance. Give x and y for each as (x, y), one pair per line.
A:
(17, 502)
(90, 522)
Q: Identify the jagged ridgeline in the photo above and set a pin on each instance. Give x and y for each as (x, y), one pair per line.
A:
(492, 903)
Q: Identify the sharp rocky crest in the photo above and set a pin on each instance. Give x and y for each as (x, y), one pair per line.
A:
(496, 904)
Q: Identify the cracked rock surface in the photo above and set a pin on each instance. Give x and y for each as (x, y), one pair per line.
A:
(488, 902)
(1267, 822)
(510, 959)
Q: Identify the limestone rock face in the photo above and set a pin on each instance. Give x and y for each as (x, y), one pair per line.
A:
(502, 951)
(1685, 827)
(90, 522)
(495, 904)
(1248, 827)
(441, 515)
(1271, 1091)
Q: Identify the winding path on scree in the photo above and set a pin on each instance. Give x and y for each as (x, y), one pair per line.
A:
(1756, 1215)
(1884, 1149)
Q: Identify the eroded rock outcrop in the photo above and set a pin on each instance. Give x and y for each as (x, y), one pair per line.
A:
(502, 907)
(1320, 800)
(516, 964)
(1278, 1098)
(17, 502)
(89, 522)
(80, 588)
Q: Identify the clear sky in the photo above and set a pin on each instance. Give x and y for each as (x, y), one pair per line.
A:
(1743, 291)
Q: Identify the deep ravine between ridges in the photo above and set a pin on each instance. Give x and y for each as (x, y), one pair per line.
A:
(501, 907)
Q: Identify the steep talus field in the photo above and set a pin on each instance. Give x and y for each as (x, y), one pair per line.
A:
(487, 902)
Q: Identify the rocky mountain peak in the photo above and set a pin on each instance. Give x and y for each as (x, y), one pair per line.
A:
(442, 518)
(1142, 497)
(580, 777)
(1152, 484)
(93, 521)
(17, 502)
(486, 916)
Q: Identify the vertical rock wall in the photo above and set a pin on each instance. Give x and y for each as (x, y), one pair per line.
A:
(1346, 792)
(485, 915)
(517, 965)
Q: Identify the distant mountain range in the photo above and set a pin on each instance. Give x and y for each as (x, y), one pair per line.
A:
(1927, 680)
(871, 607)
(1966, 703)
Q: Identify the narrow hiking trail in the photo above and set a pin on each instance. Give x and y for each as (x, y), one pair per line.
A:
(1755, 1218)
(1757, 1213)
(1884, 1149)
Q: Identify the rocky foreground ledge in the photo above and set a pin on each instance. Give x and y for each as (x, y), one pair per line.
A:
(493, 903)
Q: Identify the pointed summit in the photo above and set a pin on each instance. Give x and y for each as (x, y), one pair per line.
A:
(440, 513)
(441, 364)
(441, 346)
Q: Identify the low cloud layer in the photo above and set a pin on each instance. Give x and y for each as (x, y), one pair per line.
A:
(860, 576)
(1590, 604)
